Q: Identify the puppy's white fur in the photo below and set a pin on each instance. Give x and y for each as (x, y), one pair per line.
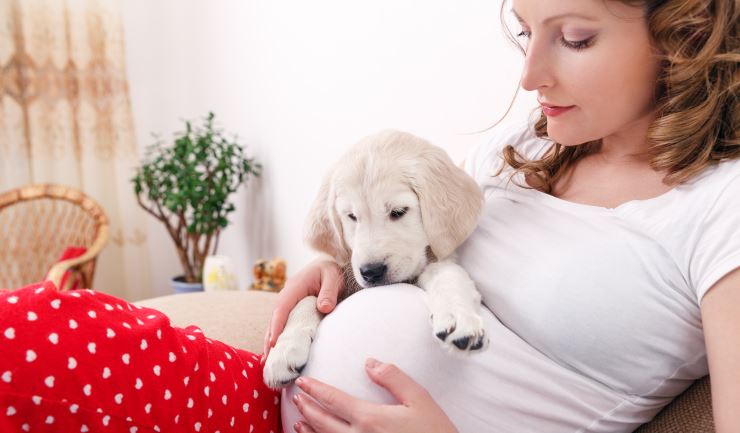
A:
(355, 219)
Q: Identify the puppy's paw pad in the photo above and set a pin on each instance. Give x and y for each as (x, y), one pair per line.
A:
(460, 331)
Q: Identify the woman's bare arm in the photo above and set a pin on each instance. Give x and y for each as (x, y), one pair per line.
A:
(720, 312)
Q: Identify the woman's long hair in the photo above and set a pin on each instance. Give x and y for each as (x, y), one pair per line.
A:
(696, 95)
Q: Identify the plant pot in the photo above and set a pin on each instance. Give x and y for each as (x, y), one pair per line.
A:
(180, 286)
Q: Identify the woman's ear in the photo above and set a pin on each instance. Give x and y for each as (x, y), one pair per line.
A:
(323, 227)
(450, 200)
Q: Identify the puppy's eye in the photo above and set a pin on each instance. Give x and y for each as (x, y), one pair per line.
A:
(398, 213)
(352, 216)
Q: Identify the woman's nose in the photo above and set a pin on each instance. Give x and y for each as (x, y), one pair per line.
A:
(538, 69)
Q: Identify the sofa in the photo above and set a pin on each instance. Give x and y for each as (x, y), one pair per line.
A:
(240, 318)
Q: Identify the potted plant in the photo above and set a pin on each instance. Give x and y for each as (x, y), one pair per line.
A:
(187, 185)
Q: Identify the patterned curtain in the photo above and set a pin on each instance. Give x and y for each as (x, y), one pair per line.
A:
(65, 117)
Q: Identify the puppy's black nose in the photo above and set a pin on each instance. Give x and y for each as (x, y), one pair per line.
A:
(373, 272)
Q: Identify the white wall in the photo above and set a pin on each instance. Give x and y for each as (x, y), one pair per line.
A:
(300, 81)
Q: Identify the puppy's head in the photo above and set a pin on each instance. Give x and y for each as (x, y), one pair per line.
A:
(388, 203)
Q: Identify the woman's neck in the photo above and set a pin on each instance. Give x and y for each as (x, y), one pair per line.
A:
(628, 146)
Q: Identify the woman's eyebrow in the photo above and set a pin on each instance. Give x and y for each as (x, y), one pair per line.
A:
(554, 17)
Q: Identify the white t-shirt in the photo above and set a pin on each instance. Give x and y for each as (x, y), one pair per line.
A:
(593, 313)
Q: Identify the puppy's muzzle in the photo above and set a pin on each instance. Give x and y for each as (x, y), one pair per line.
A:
(373, 273)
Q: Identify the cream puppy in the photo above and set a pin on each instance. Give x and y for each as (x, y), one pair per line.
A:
(393, 209)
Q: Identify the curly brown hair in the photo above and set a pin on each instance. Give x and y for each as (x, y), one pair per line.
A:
(696, 123)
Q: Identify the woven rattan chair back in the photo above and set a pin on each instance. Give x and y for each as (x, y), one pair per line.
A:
(37, 223)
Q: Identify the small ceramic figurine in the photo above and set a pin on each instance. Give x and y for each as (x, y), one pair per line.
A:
(269, 275)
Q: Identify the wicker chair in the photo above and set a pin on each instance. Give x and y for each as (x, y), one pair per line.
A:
(37, 223)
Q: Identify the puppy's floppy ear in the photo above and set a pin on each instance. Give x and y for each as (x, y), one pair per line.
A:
(323, 227)
(449, 198)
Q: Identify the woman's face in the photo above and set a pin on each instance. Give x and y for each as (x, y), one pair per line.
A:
(597, 59)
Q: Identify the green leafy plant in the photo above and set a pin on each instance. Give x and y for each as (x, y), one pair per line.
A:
(187, 186)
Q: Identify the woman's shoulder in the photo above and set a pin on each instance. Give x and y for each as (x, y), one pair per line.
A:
(486, 156)
(718, 181)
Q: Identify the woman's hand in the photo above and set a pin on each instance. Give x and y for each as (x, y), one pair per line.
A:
(321, 278)
(342, 413)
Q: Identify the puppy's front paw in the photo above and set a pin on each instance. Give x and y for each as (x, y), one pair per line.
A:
(286, 360)
(459, 329)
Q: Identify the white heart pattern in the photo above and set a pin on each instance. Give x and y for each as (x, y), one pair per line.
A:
(32, 316)
(84, 429)
(71, 363)
(172, 357)
(106, 420)
(36, 400)
(7, 377)
(73, 408)
(10, 333)
(167, 394)
(126, 358)
(30, 355)
(49, 381)
(157, 369)
(139, 383)
(13, 300)
(11, 411)
(197, 426)
(118, 398)
(91, 347)
(55, 303)
(144, 344)
(72, 324)
(106, 373)
(92, 314)
(54, 338)
(87, 390)
(191, 403)
(109, 333)
(245, 407)
(148, 408)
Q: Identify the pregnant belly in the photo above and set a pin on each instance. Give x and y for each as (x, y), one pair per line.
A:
(510, 387)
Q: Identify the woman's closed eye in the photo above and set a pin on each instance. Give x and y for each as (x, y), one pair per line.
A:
(574, 45)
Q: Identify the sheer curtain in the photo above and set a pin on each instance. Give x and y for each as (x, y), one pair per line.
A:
(65, 117)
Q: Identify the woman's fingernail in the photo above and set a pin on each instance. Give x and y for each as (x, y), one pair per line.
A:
(372, 363)
(295, 399)
(325, 302)
(297, 427)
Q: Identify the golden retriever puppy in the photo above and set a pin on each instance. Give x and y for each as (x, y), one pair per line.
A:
(393, 209)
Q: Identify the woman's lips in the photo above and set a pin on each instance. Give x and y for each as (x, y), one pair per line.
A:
(552, 111)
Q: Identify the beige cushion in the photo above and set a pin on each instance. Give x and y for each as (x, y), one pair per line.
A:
(240, 319)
